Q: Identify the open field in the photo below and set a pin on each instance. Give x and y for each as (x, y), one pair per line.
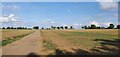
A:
(94, 41)
(62, 42)
(9, 36)
(13, 33)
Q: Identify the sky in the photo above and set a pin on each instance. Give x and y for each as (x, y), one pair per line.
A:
(58, 0)
(46, 14)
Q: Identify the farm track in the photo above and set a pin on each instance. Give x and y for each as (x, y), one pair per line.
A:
(29, 44)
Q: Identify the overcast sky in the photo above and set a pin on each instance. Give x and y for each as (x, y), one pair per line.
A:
(45, 14)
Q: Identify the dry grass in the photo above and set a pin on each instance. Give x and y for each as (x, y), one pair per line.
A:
(9, 36)
(13, 33)
(89, 39)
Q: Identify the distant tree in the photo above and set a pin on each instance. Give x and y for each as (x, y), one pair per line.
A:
(48, 28)
(25, 28)
(98, 27)
(12, 28)
(3, 27)
(58, 27)
(8, 28)
(102, 27)
(111, 26)
(66, 27)
(118, 26)
(19, 27)
(52, 27)
(89, 27)
(36, 27)
(61, 27)
(93, 26)
(42, 28)
(85, 27)
(71, 27)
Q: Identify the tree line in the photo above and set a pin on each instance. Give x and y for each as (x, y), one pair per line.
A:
(111, 26)
(58, 28)
(35, 27)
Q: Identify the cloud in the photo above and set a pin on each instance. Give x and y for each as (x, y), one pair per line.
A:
(63, 24)
(77, 24)
(52, 22)
(107, 23)
(9, 19)
(118, 23)
(105, 0)
(94, 23)
(103, 24)
(107, 4)
(10, 7)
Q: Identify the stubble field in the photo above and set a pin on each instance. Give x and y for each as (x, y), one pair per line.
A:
(91, 41)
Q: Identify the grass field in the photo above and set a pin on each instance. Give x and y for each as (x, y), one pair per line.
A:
(13, 33)
(9, 36)
(70, 42)
(94, 41)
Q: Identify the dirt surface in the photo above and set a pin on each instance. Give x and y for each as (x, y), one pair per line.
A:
(27, 45)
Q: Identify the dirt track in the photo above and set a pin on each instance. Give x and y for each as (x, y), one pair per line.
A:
(29, 44)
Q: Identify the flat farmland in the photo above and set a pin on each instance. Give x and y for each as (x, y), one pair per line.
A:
(89, 41)
(13, 33)
(9, 35)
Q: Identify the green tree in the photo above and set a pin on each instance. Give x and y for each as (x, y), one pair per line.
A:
(35, 27)
(66, 27)
(71, 27)
(85, 27)
(61, 27)
(58, 28)
(111, 26)
(3, 27)
(118, 26)
(42, 28)
(8, 28)
(93, 26)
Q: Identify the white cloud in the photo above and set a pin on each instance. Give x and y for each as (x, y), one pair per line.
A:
(105, 0)
(10, 7)
(118, 23)
(63, 24)
(52, 22)
(107, 4)
(106, 23)
(103, 24)
(77, 24)
(9, 19)
(94, 23)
